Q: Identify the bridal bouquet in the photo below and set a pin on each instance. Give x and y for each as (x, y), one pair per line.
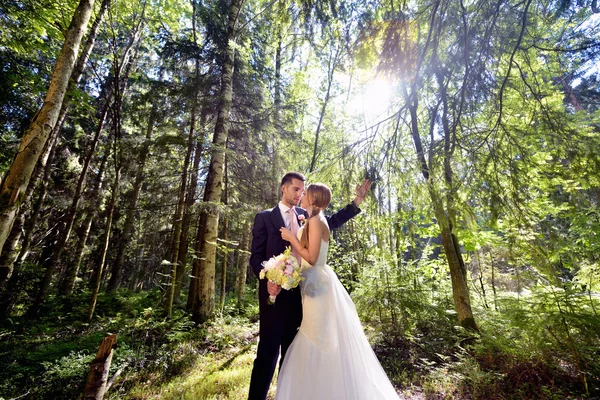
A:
(282, 270)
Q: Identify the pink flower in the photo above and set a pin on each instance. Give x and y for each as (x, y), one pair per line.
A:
(302, 219)
(288, 270)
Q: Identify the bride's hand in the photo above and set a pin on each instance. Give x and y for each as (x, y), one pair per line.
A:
(286, 234)
(273, 288)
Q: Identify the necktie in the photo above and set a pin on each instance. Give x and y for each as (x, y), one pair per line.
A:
(293, 222)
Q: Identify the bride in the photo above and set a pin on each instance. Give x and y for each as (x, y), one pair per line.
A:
(330, 357)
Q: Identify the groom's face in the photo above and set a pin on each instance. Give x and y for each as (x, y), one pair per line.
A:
(292, 192)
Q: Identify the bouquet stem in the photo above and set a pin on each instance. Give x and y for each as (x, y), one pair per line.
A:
(271, 300)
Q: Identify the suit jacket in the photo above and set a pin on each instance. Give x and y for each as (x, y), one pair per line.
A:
(266, 237)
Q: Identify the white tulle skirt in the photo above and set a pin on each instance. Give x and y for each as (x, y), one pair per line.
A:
(330, 357)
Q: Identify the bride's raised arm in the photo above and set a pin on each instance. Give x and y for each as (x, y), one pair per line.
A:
(315, 233)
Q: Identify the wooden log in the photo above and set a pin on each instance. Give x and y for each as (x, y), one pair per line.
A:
(95, 388)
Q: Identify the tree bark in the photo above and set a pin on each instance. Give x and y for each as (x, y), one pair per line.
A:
(243, 267)
(68, 283)
(178, 218)
(100, 267)
(117, 268)
(65, 233)
(118, 164)
(458, 271)
(49, 263)
(205, 294)
(187, 219)
(14, 186)
(190, 197)
(224, 266)
(46, 160)
(333, 59)
(95, 388)
(10, 252)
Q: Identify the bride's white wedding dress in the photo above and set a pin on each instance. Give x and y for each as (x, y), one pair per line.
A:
(330, 357)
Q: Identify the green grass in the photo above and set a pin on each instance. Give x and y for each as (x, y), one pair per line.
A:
(517, 354)
(223, 375)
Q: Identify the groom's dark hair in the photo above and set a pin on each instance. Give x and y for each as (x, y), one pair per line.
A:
(287, 178)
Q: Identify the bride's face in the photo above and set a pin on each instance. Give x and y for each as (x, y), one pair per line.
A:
(305, 202)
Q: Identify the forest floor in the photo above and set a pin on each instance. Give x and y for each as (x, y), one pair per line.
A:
(174, 359)
(222, 374)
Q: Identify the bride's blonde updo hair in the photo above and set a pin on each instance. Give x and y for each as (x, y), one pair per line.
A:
(319, 196)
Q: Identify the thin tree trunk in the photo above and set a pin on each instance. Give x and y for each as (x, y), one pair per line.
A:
(49, 263)
(15, 183)
(224, 265)
(192, 186)
(47, 158)
(225, 234)
(115, 278)
(178, 219)
(332, 64)
(481, 279)
(192, 292)
(37, 209)
(11, 251)
(68, 283)
(458, 271)
(493, 282)
(134, 282)
(65, 233)
(243, 267)
(118, 158)
(278, 114)
(100, 267)
(204, 305)
(187, 219)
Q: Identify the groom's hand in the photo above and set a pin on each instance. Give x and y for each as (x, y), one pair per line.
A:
(361, 192)
(273, 288)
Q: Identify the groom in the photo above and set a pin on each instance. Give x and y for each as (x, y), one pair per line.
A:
(280, 322)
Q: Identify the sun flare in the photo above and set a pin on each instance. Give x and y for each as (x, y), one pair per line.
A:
(372, 99)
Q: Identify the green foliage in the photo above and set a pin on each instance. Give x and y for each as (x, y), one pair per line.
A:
(50, 358)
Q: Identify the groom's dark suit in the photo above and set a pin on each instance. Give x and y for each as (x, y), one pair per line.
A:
(278, 322)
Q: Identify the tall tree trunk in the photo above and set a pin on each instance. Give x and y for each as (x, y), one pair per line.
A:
(15, 183)
(45, 162)
(119, 86)
(117, 268)
(225, 234)
(224, 265)
(178, 219)
(121, 68)
(37, 209)
(187, 219)
(242, 267)
(458, 272)
(278, 114)
(192, 292)
(333, 60)
(104, 249)
(49, 263)
(68, 282)
(204, 304)
(11, 249)
(23, 226)
(192, 186)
